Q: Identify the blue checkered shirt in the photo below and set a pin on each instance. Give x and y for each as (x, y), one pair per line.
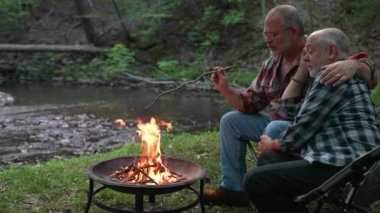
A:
(334, 125)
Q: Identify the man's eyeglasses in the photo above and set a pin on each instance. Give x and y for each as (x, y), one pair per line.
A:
(270, 35)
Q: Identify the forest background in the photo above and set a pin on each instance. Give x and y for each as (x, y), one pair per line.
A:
(161, 39)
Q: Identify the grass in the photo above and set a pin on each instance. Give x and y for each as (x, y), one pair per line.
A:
(62, 185)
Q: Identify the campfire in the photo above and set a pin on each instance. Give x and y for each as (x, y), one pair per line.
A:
(149, 169)
(149, 174)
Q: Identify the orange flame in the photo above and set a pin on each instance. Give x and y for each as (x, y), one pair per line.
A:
(151, 159)
(150, 166)
(149, 169)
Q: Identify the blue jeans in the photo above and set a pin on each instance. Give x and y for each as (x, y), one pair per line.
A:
(236, 129)
(275, 129)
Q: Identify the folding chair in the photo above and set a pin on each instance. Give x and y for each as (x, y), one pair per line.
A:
(341, 188)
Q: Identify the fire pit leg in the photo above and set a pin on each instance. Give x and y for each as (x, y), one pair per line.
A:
(89, 195)
(139, 203)
(152, 199)
(201, 187)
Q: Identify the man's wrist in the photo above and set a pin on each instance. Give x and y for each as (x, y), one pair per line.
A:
(371, 66)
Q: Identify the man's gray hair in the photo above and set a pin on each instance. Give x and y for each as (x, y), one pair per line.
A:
(335, 36)
(290, 15)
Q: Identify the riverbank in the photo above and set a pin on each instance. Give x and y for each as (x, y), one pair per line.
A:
(31, 135)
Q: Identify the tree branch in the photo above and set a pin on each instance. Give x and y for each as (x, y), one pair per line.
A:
(188, 82)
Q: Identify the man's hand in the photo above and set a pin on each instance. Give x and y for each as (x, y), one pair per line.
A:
(339, 72)
(267, 144)
(302, 73)
(299, 81)
(219, 79)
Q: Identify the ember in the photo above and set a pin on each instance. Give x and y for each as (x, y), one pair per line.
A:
(149, 169)
(120, 122)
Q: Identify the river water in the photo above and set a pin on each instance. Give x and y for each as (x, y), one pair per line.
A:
(52, 120)
(115, 103)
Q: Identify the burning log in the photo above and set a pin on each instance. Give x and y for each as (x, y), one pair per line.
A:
(188, 82)
(131, 173)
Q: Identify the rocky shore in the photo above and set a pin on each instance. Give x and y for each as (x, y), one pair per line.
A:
(29, 135)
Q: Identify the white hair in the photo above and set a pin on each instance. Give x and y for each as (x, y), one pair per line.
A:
(336, 37)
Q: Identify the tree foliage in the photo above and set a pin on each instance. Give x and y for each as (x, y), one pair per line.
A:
(12, 14)
(362, 14)
(185, 36)
(117, 60)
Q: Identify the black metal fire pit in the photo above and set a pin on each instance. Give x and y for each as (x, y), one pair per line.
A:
(102, 171)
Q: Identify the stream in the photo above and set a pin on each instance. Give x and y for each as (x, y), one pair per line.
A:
(57, 121)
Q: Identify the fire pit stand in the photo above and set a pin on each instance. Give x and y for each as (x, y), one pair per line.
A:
(100, 173)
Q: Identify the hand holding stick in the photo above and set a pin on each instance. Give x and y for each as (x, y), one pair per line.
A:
(190, 82)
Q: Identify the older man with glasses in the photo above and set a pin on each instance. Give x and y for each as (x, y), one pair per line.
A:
(271, 35)
(284, 35)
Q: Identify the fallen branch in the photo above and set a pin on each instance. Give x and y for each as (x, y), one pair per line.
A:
(50, 48)
(188, 82)
(145, 80)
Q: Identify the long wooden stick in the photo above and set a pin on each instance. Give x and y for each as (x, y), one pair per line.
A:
(188, 82)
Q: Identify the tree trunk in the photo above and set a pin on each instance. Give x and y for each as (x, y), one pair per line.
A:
(89, 30)
(263, 9)
(127, 35)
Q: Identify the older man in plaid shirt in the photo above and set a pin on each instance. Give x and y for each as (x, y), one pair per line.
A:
(334, 126)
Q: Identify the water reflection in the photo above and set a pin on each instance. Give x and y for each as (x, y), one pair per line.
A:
(179, 107)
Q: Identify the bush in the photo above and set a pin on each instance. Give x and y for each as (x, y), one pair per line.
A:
(118, 59)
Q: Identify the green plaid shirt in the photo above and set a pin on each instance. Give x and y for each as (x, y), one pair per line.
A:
(334, 125)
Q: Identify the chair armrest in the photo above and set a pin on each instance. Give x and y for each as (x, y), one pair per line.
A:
(344, 175)
(337, 180)
(308, 197)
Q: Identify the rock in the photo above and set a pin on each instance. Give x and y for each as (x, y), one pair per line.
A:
(6, 99)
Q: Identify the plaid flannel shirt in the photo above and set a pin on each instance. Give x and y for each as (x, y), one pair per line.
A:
(334, 125)
(287, 110)
(268, 85)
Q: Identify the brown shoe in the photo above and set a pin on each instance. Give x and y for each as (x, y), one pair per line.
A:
(225, 196)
